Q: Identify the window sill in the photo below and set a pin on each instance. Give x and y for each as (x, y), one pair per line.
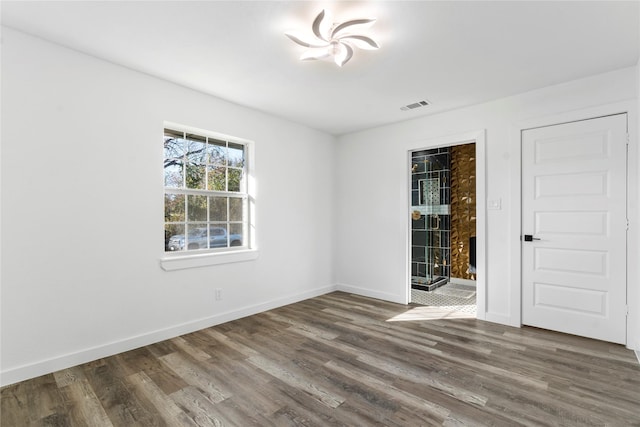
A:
(204, 260)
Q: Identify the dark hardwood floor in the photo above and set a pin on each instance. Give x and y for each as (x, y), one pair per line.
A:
(343, 360)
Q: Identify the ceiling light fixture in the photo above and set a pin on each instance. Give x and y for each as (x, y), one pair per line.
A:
(336, 43)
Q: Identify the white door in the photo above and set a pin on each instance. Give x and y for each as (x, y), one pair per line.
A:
(574, 208)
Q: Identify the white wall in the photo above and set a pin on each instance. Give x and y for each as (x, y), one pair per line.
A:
(82, 211)
(81, 205)
(635, 223)
(372, 197)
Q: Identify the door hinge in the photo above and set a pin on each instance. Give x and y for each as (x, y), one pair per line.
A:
(627, 224)
(628, 138)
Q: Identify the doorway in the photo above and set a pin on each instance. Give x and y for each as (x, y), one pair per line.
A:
(443, 234)
(574, 183)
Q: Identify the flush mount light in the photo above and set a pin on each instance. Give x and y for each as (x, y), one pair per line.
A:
(337, 43)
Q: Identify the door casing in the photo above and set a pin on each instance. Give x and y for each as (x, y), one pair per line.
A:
(633, 213)
(478, 138)
(598, 286)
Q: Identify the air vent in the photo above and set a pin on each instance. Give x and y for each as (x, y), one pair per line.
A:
(415, 105)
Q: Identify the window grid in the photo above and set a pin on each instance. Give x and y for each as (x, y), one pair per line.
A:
(199, 161)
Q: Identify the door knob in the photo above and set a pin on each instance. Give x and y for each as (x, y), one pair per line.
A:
(529, 238)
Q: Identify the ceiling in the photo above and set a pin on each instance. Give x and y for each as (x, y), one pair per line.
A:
(451, 53)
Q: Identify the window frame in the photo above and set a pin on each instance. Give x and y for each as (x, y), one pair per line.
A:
(211, 256)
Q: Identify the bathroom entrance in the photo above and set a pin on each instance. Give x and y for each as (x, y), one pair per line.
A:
(443, 227)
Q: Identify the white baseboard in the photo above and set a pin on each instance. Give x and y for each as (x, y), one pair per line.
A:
(637, 352)
(400, 299)
(25, 372)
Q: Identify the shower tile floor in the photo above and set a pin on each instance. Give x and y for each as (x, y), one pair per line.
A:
(451, 297)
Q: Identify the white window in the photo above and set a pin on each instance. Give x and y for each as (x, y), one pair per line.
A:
(206, 202)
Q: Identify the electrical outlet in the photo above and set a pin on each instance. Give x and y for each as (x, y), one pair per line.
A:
(218, 294)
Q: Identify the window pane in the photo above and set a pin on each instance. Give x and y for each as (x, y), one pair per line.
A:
(196, 155)
(236, 155)
(235, 234)
(235, 178)
(173, 237)
(195, 175)
(173, 173)
(197, 208)
(215, 178)
(196, 236)
(217, 151)
(218, 237)
(174, 144)
(210, 218)
(173, 207)
(235, 209)
(217, 208)
(196, 149)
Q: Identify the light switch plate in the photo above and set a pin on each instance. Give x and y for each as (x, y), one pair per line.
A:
(494, 204)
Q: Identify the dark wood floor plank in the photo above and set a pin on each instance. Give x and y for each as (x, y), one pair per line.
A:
(198, 407)
(122, 406)
(342, 360)
(45, 401)
(473, 336)
(145, 360)
(461, 413)
(14, 408)
(83, 406)
(192, 351)
(437, 413)
(166, 408)
(245, 383)
(195, 375)
(613, 411)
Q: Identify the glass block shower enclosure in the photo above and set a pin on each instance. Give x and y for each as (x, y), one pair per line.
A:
(431, 218)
